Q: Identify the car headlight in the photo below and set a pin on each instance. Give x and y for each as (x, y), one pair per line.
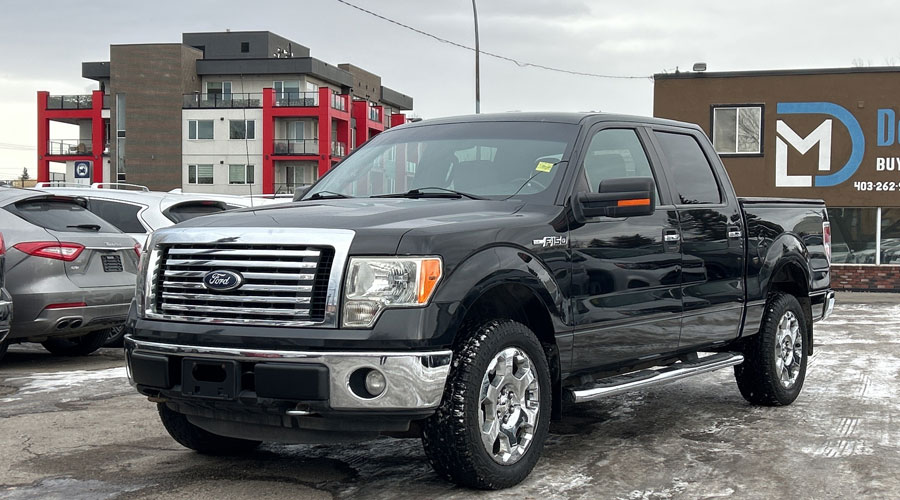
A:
(378, 283)
(141, 285)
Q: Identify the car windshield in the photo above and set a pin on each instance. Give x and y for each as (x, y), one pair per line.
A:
(495, 160)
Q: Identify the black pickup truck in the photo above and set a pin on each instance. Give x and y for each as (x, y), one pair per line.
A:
(464, 280)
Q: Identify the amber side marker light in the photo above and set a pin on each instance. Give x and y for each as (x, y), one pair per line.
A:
(633, 203)
(429, 275)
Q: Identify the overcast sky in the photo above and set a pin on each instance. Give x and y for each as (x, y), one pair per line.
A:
(43, 45)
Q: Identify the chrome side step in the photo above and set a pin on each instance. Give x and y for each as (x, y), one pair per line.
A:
(645, 378)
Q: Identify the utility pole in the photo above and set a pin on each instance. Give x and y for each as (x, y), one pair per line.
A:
(477, 64)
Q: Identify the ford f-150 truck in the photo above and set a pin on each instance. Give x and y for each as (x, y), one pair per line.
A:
(465, 280)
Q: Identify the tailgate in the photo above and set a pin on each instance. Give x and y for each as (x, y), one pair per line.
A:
(108, 259)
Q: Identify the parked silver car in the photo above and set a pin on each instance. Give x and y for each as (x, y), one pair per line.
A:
(5, 302)
(71, 274)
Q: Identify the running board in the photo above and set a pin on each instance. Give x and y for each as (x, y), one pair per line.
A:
(645, 378)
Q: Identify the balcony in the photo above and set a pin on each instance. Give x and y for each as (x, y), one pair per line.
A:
(222, 101)
(339, 102)
(285, 188)
(338, 149)
(296, 147)
(70, 101)
(69, 147)
(297, 99)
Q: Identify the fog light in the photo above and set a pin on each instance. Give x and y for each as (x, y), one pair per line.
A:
(375, 382)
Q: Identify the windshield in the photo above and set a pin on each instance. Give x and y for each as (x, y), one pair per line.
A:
(495, 160)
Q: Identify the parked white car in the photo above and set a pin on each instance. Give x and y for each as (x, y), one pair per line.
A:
(137, 211)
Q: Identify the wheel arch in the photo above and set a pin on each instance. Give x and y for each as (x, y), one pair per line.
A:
(510, 283)
(787, 270)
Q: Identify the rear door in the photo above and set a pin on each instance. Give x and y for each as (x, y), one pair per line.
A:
(107, 257)
(712, 240)
(626, 276)
(124, 215)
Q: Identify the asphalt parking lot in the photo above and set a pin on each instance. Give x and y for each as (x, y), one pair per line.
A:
(73, 428)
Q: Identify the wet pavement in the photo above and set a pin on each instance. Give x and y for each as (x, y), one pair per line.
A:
(72, 428)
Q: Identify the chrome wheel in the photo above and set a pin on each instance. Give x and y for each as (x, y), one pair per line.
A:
(509, 403)
(788, 349)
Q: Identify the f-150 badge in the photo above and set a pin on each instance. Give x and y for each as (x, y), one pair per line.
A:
(551, 241)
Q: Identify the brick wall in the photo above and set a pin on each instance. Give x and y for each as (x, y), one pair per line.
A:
(868, 278)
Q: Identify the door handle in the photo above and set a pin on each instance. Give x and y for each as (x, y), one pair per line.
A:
(671, 236)
(734, 232)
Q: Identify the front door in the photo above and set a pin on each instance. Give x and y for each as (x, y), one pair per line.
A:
(712, 241)
(626, 274)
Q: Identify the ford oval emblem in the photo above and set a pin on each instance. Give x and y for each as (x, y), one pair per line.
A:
(222, 281)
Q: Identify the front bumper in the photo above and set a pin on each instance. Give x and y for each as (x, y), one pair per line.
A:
(320, 381)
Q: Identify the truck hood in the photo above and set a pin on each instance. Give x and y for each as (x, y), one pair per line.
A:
(379, 223)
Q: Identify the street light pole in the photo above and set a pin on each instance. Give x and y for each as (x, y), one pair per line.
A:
(477, 64)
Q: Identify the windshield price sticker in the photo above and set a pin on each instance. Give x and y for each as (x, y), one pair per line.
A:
(544, 166)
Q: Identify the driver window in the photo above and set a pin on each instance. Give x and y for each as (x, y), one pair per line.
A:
(615, 153)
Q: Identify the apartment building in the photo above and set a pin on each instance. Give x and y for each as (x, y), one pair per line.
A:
(225, 112)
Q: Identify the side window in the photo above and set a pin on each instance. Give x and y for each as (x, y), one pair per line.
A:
(691, 172)
(615, 153)
(122, 215)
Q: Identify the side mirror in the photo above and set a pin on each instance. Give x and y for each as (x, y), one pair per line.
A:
(623, 197)
(299, 192)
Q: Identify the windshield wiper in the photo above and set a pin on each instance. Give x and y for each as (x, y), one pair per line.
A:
(89, 227)
(322, 195)
(420, 193)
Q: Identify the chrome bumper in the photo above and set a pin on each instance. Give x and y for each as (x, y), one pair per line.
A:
(5, 318)
(415, 380)
(827, 307)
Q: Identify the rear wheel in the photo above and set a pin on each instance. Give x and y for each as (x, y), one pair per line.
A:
(4, 346)
(489, 431)
(774, 367)
(77, 346)
(200, 440)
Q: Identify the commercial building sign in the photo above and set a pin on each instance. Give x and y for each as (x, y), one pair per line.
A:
(861, 172)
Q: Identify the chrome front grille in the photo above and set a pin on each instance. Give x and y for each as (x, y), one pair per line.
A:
(283, 285)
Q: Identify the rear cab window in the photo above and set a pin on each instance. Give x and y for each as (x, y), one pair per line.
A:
(692, 175)
(60, 214)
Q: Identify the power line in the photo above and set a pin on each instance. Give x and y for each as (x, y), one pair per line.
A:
(517, 62)
(17, 147)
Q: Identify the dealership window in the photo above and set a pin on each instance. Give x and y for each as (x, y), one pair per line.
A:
(853, 235)
(200, 129)
(245, 47)
(737, 129)
(200, 174)
(240, 174)
(242, 129)
(890, 236)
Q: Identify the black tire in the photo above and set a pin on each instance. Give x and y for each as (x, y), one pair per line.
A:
(452, 436)
(77, 346)
(200, 440)
(4, 346)
(758, 377)
(116, 337)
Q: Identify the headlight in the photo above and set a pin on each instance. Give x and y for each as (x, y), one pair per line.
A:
(375, 284)
(143, 281)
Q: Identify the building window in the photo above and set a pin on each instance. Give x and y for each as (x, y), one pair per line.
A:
(240, 174)
(200, 129)
(241, 129)
(120, 137)
(245, 47)
(853, 238)
(220, 88)
(737, 129)
(890, 236)
(200, 174)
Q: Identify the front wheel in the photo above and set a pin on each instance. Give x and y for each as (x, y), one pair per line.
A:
(201, 440)
(490, 429)
(774, 366)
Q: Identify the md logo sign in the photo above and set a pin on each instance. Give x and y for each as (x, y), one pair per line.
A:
(821, 135)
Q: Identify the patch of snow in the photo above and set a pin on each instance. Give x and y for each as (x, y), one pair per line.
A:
(57, 381)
